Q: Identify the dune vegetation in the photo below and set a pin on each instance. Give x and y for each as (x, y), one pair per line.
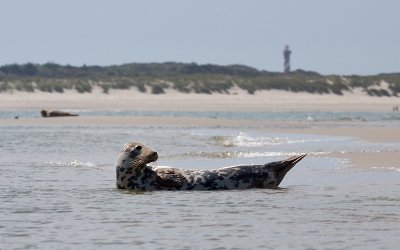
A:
(156, 78)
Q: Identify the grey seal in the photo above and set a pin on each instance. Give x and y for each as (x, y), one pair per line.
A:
(133, 173)
(55, 113)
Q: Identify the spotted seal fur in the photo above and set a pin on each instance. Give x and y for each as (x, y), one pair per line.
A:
(133, 173)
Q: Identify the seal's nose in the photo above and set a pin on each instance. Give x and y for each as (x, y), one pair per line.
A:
(154, 156)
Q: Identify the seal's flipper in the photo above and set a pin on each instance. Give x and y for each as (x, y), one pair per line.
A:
(169, 178)
(282, 167)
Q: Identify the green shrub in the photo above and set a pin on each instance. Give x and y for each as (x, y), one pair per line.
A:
(45, 86)
(157, 89)
(5, 86)
(83, 87)
(59, 87)
(395, 87)
(202, 90)
(122, 84)
(25, 86)
(141, 88)
(105, 88)
(378, 92)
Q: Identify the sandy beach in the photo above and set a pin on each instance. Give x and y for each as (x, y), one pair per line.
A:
(239, 101)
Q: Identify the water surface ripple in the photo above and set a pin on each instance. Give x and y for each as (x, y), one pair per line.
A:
(57, 191)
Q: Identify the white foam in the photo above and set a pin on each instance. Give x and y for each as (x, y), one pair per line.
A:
(243, 140)
(397, 169)
(74, 163)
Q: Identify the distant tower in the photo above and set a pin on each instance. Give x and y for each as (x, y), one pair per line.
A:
(286, 56)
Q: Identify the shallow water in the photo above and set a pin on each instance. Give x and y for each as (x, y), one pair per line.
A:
(317, 116)
(57, 190)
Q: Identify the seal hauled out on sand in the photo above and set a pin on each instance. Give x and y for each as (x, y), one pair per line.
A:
(55, 113)
(133, 173)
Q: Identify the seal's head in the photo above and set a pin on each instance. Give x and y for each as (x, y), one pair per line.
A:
(131, 160)
(44, 113)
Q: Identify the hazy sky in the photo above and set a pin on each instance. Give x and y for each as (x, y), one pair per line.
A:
(337, 36)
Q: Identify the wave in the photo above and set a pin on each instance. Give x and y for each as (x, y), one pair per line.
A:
(241, 154)
(396, 169)
(75, 164)
(243, 140)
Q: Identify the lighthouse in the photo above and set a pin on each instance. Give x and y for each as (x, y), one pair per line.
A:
(286, 57)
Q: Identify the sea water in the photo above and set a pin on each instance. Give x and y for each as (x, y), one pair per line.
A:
(57, 191)
(318, 116)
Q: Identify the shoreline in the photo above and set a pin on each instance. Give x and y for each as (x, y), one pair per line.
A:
(366, 131)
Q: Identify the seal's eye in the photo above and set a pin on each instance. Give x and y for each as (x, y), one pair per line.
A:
(138, 147)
